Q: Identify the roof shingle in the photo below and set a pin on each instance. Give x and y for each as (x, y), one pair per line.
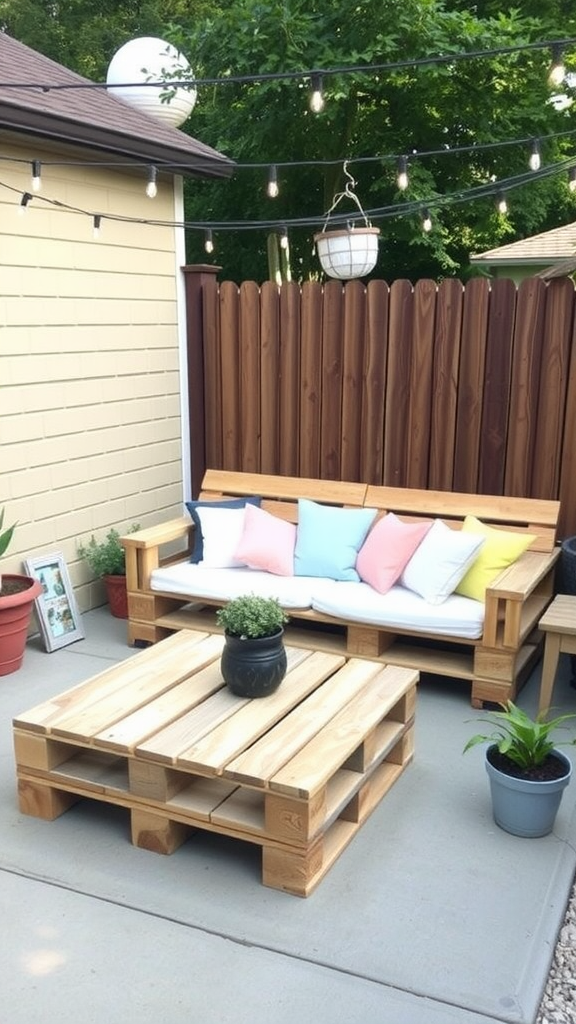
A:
(93, 117)
(549, 246)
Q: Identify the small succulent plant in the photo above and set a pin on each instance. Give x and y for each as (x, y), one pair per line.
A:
(250, 616)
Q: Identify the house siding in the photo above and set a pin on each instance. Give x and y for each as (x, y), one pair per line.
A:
(90, 419)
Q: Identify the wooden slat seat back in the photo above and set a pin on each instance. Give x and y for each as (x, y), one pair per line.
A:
(280, 494)
(526, 515)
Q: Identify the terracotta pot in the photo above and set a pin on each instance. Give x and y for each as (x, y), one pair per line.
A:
(15, 614)
(117, 596)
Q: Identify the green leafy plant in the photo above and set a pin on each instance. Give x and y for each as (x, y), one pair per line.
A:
(251, 616)
(106, 557)
(6, 536)
(526, 741)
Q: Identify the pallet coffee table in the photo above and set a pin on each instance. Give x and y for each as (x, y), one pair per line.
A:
(160, 734)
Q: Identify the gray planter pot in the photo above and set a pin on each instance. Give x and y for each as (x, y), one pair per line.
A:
(523, 807)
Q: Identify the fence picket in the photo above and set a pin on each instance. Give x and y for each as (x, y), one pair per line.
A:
(374, 383)
(447, 340)
(527, 355)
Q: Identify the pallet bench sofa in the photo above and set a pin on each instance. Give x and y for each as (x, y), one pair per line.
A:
(492, 643)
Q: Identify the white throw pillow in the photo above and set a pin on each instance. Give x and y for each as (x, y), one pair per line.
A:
(222, 529)
(440, 562)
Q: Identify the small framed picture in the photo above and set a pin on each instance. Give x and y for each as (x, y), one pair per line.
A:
(56, 606)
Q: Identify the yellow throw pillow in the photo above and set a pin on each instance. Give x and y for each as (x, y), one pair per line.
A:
(500, 549)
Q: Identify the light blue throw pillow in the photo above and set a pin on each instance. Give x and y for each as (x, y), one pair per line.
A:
(328, 539)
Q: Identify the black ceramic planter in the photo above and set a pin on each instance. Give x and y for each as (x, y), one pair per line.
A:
(254, 667)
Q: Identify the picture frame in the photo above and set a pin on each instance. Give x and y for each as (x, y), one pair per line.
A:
(56, 608)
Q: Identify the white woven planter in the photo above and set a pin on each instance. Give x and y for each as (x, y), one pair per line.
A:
(348, 252)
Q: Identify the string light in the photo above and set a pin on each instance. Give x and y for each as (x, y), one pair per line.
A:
(36, 175)
(572, 179)
(151, 187)
(501, 204)
(392, 210)
(426, 220)
(556, 45)
(316, 98)
(402, 173)
(96, 225)
(272, 188)
(208, 241)
(284, 238)
(23, 205)
(376, 158)
(535, 161)
(557, 71)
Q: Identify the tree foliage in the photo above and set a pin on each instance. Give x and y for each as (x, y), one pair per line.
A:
(410, 110)
(84, 34)
(415, 108)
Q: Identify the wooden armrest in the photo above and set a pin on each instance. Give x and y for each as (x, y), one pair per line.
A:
(520, 579)
(163, 533)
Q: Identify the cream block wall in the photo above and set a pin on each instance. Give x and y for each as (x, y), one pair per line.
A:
(90, 413)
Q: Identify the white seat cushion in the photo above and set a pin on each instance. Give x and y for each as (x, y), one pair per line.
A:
(196, 581)
(399, 608)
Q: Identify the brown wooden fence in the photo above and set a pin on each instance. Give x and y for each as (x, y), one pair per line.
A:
(443, 386)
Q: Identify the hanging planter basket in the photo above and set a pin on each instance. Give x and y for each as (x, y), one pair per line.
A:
(348, 251)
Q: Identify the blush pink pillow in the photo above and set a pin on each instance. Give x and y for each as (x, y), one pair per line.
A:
(267, 542)
(387, 550)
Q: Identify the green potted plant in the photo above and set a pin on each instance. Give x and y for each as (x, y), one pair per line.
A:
(527, 772)
(107, 560)
(254, 658)
(17, 596)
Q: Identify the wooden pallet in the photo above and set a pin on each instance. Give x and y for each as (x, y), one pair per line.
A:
(297, 772)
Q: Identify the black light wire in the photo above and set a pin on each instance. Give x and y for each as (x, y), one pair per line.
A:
(447, 58)
(399, 209)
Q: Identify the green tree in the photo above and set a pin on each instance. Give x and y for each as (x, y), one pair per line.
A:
(84, 34)
(415, 108)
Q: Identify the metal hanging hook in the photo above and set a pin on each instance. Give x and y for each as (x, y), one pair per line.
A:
(347, 193)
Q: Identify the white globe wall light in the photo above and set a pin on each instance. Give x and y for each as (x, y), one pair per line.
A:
(148, 59)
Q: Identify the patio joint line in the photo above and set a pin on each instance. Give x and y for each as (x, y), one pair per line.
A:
(42, 880)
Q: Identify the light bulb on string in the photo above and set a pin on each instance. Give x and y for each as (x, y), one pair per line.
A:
(36, 175)
(572, 179)
(151, 187)
(501, 204)
(557, 71)
(208, 241)
(272, 188)
(402, 173)
(97, 220)
(23, 204)
(284, 239)
(535, 159)
(426, 220)
(316, 98)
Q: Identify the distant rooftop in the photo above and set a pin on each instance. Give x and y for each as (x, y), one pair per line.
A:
(547, 247)
(94, 118)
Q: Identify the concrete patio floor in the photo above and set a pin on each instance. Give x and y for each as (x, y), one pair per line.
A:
(431, 915)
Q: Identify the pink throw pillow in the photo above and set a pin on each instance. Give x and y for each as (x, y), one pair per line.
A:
(267, 542)
(387, 550)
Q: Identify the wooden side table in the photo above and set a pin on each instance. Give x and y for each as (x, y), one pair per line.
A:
(559, 624)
